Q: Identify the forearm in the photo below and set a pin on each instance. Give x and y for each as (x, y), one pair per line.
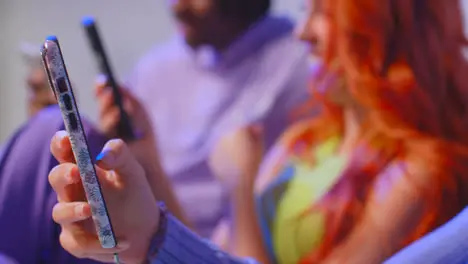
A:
(181, 246)
(246, 238)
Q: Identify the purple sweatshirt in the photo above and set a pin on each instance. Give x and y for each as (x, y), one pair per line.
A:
(28, 233)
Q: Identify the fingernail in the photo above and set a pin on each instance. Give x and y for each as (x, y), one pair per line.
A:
(61, 135)
(71, 177)
(102, 79)
(105, 156)
(79, 210)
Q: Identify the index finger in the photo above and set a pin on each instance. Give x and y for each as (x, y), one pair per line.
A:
(60, 147)
(66, 182)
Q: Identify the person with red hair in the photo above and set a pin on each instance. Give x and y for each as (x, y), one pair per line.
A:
(386, 160)
(382, 165)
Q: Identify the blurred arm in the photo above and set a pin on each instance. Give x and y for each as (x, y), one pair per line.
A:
(246, 236)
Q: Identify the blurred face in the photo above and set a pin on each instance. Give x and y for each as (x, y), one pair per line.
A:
(315, 28)
(197, 19)
(39, 93)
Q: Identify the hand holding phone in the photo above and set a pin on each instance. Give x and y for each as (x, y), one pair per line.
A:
(124, 126)
(59, 81)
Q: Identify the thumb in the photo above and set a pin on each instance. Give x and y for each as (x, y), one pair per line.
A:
(131, 99)
(117, 156)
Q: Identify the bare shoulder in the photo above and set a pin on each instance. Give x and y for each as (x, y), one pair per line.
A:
(400, 193)
(278, 155)
(409, 171)
(392, 215)
(403, 177)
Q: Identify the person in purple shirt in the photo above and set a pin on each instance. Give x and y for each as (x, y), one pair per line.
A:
(28, 234)
(39, 94)
(233, 65)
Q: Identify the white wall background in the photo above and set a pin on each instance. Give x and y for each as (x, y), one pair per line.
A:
(129, 30)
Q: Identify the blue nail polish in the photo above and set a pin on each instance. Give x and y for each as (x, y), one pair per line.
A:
(101, 155)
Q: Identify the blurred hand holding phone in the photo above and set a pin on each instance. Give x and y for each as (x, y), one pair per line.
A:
(143, 144)
(123, 125)
(120, 113)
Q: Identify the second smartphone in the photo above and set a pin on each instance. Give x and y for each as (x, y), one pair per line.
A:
(124, 127)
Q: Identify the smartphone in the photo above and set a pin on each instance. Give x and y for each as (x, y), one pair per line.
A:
(59, 82)
(124, 127)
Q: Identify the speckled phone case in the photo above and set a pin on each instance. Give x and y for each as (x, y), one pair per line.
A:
(60, 84)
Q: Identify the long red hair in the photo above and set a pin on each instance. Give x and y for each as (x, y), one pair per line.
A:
(402, 60)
